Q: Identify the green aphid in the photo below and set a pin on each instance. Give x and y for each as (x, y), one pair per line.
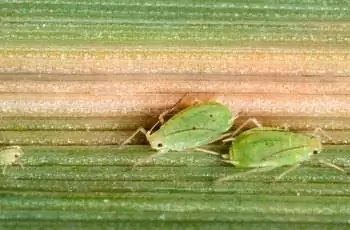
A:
(10, 155)
(264, 149)
(195, 126)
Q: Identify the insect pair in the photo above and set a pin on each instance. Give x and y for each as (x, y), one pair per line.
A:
(261, 148)
(10, 155)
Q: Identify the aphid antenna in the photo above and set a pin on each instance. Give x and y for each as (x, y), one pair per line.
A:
(166, 112)
(332, 166)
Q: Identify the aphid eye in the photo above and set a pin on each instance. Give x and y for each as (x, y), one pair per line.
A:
(160, 145)
(315, 152)
(210, 115)
(16, 155)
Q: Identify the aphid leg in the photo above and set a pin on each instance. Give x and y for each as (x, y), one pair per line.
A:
(220, 138)
(230, 162)
(160, 120)
(4, 170)
(294, 167)
(234, 133)
(20, 165)
(208, 151)
(145, 159)
(255, 170)
(225, 156)
(319, 131)
(232, 121)
(332, 166)
(142, 130)
(228, 139)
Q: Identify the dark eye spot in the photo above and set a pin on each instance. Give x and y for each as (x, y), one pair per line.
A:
(210, 115)
(315, 152)
(16, 155)
(194, 128)
(160, 145)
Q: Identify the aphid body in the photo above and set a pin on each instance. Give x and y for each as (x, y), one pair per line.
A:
(265, 149)
(195, 126)
(192, 127)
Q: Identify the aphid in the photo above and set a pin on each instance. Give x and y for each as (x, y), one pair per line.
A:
(10, 155)
(265, 148)
(195, 126)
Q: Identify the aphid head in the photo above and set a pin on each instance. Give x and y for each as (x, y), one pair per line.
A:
(315, 144)
(159, 146)
(157, 143)
(16, 152)
(316, 151)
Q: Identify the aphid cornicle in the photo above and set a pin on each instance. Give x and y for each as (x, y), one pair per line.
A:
(195, 126)
(265, 148)
(10, 155)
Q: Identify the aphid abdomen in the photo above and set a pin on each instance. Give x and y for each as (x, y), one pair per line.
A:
(261, 148)
(213, 116)
(187, 139)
